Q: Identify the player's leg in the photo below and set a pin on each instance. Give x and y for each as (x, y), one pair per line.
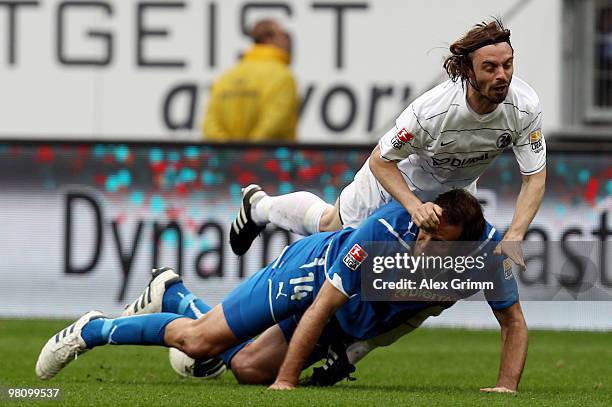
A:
(202, 338)
(303, 212)
(359, 349)
(205, 337)
(247, 311)
(299, 212)
(330, 220)
(265, 298)
(290, 289)
(167, 293)
(259, 361)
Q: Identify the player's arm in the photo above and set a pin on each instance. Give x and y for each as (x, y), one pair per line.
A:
(527, 204)
(530, 152)
(514, 340)
(308, 331)
(425, 215)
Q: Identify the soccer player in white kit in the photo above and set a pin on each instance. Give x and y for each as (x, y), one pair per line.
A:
(445, 139)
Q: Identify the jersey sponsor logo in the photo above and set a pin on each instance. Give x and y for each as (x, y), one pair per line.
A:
(460, 163)
(355, 257)
(400, 138)
(535, 139)
(504, 140)
(447, 143)
(507, 263)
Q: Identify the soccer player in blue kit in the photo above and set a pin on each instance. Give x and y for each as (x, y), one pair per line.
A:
(316, 281)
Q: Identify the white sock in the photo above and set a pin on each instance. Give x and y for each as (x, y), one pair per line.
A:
(358, 350)
(260, 210)
(299, 212)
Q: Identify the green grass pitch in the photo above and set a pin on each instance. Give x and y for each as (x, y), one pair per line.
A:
(428, 367)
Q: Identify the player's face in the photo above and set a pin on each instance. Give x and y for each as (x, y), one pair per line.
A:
(493, 68)
(426, 241)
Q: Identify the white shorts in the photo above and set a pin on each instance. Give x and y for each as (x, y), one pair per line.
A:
(361, 198)
(365, 194)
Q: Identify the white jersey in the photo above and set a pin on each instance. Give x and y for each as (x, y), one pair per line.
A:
(440, 143)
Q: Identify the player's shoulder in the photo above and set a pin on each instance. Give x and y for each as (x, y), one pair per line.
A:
(491, 234)
(438, 99)
(523, 97)
(391, 216)
(393, 207)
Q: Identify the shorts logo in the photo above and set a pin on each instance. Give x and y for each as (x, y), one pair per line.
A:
(507, 263)
(503, 141)
(355, 257)
(400, 138)
(535, 139)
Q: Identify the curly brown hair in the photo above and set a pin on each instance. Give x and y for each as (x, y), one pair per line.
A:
(459, 64)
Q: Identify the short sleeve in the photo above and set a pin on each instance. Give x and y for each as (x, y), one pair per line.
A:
(343, 271)
(505, 291)
(530, 147)
(404, 138)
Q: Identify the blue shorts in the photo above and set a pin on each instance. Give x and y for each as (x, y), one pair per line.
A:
(279, 291)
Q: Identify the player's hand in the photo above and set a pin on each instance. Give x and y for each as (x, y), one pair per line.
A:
(513, 250)
(497, 390)
(282, 385)
(427, 216)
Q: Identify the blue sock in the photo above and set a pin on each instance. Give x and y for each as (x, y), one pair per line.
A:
(229, 354)
(179, 300)
(134, 330)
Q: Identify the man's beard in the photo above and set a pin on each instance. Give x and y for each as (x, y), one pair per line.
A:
(493, 96)
(496, 98)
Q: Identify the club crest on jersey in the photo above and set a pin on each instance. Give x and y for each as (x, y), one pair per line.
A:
(507, 263)
(400, 138)
(535, 139)
(504, 140)
(355, 257)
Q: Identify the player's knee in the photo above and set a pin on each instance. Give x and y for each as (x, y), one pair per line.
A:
(194, 344)
(247, 371)
(196, 349)
(330, 220)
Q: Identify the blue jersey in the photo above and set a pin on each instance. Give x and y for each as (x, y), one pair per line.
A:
(392, 223)
(285, 289)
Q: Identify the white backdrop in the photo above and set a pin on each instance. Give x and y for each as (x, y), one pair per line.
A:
(34, 283)
(92, 71)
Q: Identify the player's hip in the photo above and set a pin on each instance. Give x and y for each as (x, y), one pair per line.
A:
(284, 288)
